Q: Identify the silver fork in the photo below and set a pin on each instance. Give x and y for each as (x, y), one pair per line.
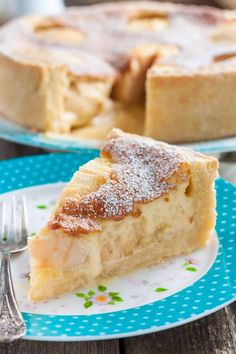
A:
(13, 239)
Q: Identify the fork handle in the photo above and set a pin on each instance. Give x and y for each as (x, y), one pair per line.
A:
(12, 325)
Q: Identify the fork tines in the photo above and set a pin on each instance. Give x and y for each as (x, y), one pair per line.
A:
(13, 225)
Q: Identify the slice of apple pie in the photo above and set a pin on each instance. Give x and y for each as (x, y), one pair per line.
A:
(140, 202)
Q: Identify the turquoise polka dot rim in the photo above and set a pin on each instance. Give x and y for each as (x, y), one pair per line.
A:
(210, 292)
(13, 132)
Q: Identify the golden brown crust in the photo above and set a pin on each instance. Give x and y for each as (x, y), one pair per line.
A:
(98, 40)
(70, 69)
(142, 171)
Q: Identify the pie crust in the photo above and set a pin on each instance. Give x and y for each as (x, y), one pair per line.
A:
(163, 70)
(139, 203)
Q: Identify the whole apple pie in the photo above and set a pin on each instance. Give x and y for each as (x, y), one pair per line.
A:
(161, 70)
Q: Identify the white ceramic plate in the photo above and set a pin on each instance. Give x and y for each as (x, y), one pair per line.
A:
(155, 298)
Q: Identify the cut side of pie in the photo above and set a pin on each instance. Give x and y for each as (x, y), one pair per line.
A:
(140, 202)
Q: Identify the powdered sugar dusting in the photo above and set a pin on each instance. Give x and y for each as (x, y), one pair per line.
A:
(140, 174)
(107, 38)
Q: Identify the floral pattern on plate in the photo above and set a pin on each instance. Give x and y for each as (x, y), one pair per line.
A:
(102, 297)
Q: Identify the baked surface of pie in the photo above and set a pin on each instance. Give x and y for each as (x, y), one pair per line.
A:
(60, 73)
(139, 203)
